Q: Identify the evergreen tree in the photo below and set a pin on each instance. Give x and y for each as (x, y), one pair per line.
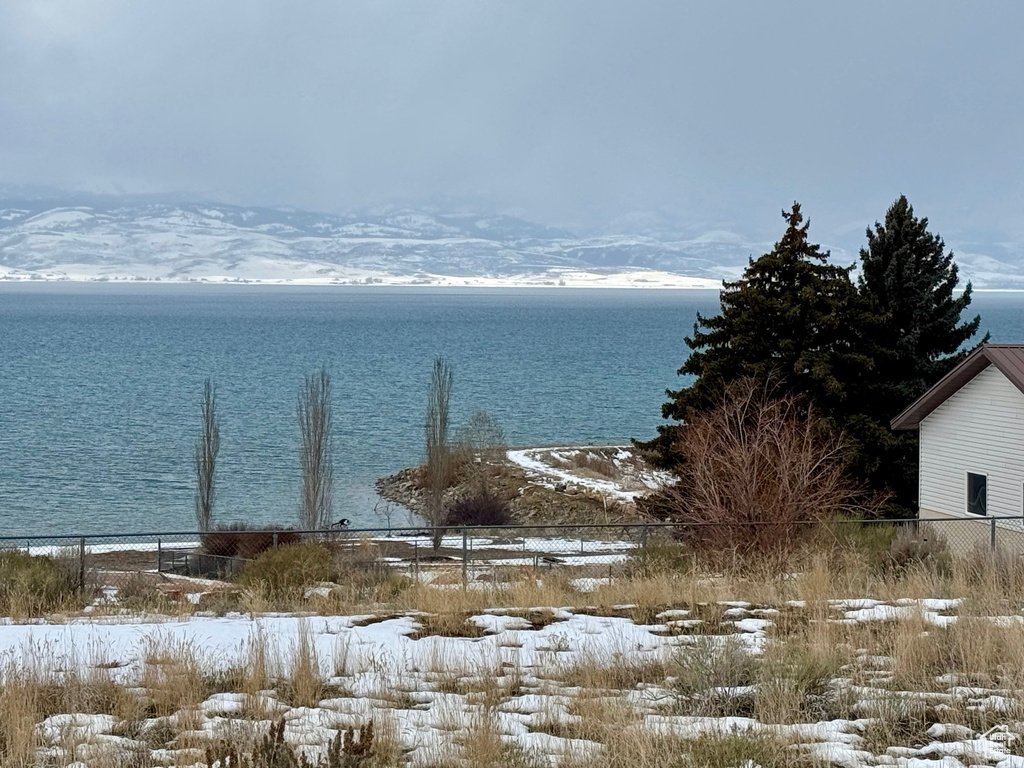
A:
(909, 280)
(792, 316)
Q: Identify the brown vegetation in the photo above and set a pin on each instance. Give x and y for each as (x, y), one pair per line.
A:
(287, 570)
(315, 413)
(34, 585)
(755, 471)
(205, 457)
(238, 540)
(438, 469)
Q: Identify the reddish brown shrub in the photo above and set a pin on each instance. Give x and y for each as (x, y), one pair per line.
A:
(757, 472)
(482, 508)
(238, 540)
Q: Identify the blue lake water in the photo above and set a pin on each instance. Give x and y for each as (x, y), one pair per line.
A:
(99, 386)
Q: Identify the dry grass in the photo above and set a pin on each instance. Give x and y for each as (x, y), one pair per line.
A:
(629, 670)
(838, 561)
(304, 684)
(813, 665)
(175, 680)
(595, 464)
(668, 575)
(637, 748)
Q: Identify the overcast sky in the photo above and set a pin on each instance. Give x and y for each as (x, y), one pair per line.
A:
(585, 114)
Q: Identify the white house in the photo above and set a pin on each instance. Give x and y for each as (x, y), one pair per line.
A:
(971, 427)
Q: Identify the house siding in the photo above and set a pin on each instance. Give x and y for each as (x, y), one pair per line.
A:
(978, 429)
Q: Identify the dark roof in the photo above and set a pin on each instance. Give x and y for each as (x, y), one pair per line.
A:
(1008, 358)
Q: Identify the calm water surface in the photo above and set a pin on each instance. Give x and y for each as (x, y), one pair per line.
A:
(99, 386)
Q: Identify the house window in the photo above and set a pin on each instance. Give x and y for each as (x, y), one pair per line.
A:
(977, 494)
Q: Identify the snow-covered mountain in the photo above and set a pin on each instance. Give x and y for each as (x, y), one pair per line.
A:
(147, 239)
(84, 237)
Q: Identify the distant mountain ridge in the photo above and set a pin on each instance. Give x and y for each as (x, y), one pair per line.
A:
(94, 237)
(174, 240)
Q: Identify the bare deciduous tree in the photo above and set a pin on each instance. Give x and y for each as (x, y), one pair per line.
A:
(481, 436)
(756, 470)
(478, 445)
(205, 456)
(314, 412)
(438, 466)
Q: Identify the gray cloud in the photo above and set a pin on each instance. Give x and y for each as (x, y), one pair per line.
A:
(581, 113)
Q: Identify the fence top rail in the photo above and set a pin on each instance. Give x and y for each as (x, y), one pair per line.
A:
(413, 531)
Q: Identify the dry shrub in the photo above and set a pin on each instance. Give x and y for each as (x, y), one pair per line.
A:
(349, 749)
(483, 508)
(446, 625)
(37, 683)
(284, 571)
(706, 674)
(756, 471)
(660, 554)
(602, 717)
(912, 548)
(32, 585)
(872, 539)
(372, 585)
(797, 682)
(258, 666)
(481, 742)
(240, 540)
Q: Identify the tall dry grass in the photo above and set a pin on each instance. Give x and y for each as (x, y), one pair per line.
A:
(812, 665)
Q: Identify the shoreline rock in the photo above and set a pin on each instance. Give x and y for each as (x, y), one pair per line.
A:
(530, 500)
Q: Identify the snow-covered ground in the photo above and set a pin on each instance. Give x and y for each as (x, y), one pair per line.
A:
(625, 475)
(520, 674)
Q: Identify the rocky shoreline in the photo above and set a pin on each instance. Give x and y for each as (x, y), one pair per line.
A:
(532, 500)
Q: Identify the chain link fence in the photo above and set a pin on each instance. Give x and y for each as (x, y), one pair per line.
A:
(466, 556)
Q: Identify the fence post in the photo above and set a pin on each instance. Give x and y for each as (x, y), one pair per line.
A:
(81, 563)
(643, 545)
(992, 535)
(465, 557)
(275, 538)
(416, 560)
(159, 555)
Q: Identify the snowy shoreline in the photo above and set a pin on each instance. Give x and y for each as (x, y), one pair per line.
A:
(637, 279)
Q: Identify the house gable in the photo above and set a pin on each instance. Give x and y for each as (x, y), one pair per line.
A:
(1008, 358)
(979, 428)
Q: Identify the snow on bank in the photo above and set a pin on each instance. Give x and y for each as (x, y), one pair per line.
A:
(539, 466)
